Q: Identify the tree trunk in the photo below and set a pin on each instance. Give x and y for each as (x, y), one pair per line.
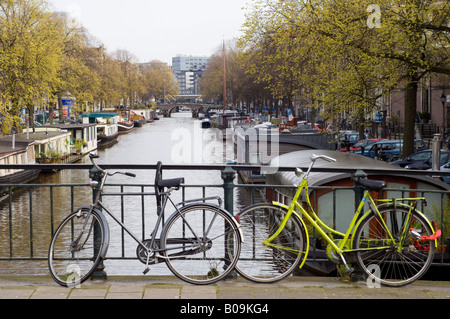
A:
(410, 115)
(50, 112)
(362, 124)
(60, 107)
(30, 109)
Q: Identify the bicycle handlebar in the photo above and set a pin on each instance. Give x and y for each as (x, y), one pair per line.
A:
(314, 158)
(324, 157)
(92, 156)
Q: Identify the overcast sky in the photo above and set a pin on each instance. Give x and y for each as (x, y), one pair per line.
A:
(151, 29)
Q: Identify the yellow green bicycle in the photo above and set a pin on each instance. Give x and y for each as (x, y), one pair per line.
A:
(393, 242)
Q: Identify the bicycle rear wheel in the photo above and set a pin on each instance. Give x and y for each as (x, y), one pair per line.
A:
(395, 262)
(266, 264)
(73, 254)
(201, 244)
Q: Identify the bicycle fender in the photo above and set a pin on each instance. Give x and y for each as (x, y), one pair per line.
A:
(105, 226)
(208, 205)
(278, 204)
(304, 229)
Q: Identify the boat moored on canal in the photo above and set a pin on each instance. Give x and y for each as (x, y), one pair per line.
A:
(125, 123)
(14, 151)
(107, 127)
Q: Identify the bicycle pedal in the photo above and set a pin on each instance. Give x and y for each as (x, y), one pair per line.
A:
(146, 270)
(349, 270)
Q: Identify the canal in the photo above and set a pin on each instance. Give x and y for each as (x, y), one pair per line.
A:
(176, 140)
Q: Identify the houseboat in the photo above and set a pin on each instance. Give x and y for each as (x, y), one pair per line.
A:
(83, 137)
(148, 115)
(125, 123)
(13, 151)
(107, 127)
(137, 119)
(50, 145)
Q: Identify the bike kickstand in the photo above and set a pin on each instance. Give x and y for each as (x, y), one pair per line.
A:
(147, 268)
(348, 270)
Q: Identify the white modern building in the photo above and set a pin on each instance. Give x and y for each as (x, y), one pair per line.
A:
(187, 70)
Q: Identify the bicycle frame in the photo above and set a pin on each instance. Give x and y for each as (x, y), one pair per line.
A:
(166, 197)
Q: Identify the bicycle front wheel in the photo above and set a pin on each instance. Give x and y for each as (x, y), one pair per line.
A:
(390, 253)
(74, 251)
(201, 244)
(265, 264)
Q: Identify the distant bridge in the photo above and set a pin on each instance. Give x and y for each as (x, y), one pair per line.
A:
(196, 108)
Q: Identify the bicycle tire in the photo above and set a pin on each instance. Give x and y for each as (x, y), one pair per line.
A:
(210, 256)
(71, 264)
(394, 266)
(266, 264)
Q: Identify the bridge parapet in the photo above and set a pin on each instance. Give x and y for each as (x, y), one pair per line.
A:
(196, 108)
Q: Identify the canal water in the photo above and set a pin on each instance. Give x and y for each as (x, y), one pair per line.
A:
(176, 140)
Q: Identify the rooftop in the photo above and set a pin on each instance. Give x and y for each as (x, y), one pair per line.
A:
(20, 145)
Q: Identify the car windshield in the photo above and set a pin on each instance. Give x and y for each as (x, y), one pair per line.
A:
(443, 159)
(364, 143)
(422, 156)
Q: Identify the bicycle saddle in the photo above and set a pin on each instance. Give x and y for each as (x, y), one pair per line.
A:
(161, 183)
(371, 184)
(175, 182)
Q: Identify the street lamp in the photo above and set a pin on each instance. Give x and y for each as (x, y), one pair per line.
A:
(443, 98)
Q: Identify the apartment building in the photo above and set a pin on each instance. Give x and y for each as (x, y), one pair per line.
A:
(187, 71)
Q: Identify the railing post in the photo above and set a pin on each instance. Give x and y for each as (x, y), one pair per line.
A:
(99, 273)
(359, 190)
(228, 175)
(436, 166)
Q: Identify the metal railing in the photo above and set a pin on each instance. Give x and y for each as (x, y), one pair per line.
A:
(30, 213)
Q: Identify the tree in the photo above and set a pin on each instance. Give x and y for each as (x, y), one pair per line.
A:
(110, 74)
(408, 42)
(348, 54)
(78, 74)
(132, 86)
(30, 54)
(159, 81)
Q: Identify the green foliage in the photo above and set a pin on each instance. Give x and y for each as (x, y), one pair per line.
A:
(346, 55)
(44, 57)
(79, 143)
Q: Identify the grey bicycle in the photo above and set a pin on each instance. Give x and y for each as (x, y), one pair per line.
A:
(200, 242)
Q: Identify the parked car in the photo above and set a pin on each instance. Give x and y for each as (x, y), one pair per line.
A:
(445, 167)
(348, 139)
(421, 156)
(425, 165)
(366, 143)
(389, 150)
(383, 150)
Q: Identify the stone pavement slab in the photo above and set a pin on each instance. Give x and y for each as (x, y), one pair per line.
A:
(162, 292)
(199, 292)
(17, 293)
